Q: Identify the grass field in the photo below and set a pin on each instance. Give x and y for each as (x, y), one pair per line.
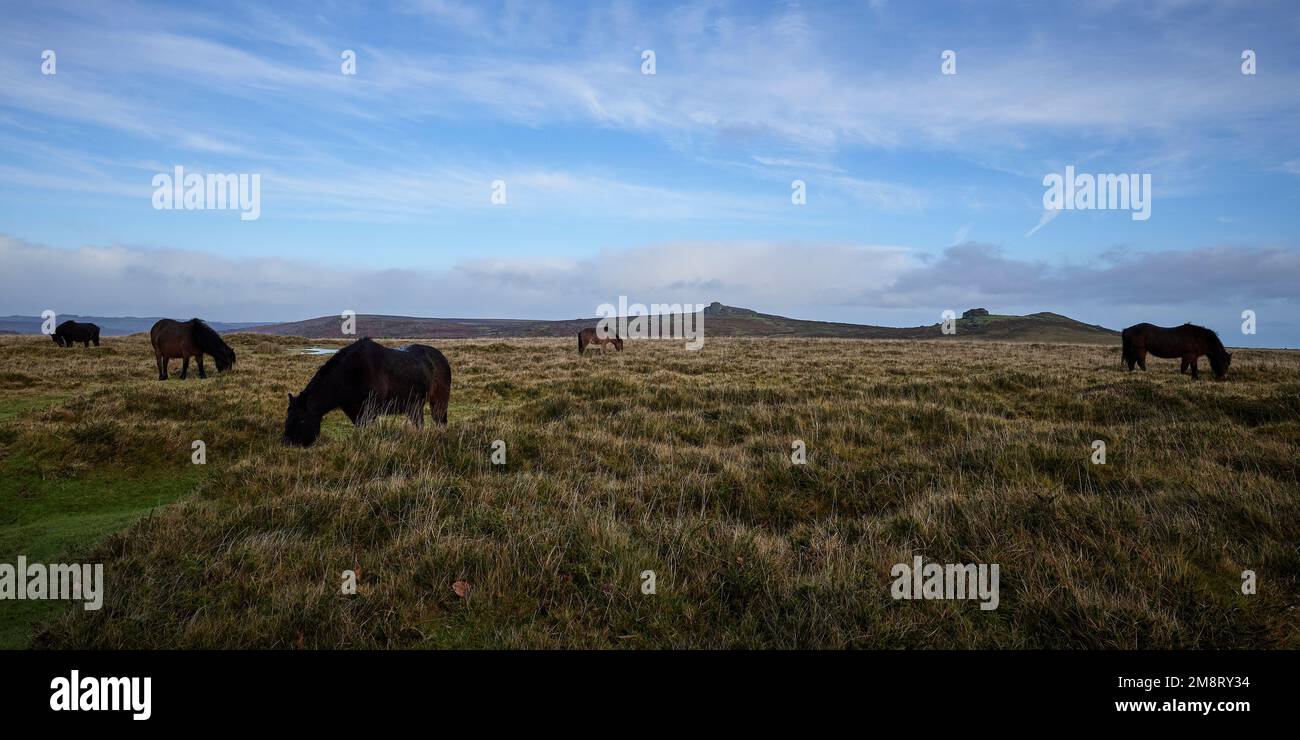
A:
(667, 460)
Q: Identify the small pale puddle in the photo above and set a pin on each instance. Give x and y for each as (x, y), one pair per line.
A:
(319, 351)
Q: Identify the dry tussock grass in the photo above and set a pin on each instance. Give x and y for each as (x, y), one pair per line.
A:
(678, 462)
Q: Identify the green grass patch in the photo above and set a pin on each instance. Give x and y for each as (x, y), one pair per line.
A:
(53, 519)
(11, 408)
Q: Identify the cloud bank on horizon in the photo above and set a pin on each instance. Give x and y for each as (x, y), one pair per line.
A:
(885, 285)
(924, 190)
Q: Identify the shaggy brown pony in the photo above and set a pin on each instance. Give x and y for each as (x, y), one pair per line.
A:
(1187, 342)
(588, 337)
(367, 380)
(186, 339)
(70, 332)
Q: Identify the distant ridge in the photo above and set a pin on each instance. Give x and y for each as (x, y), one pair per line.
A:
(719, 321)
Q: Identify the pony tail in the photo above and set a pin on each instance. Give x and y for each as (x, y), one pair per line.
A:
(211, 343)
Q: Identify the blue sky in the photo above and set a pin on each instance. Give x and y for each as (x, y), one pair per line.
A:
(924, 189)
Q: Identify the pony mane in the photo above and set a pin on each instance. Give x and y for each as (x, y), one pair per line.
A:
(1217, 354)
(337, 359)
(211, 343)
(1208, 334)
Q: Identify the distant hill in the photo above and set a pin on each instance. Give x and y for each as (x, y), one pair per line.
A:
(719, 321)
(108, 325)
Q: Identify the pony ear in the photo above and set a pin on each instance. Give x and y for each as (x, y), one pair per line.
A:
(290, 398)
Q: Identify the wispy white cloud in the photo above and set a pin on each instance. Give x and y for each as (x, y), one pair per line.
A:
(1049, 215)
(723, 73)
(746, 98)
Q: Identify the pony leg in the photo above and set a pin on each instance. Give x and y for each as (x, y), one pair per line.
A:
(1182, 368)
(366, 413)
(185, 366)
(201, 373)
(439, 400)
(1195, 374)
(353, 413)
(1142, 361)
(416, 414)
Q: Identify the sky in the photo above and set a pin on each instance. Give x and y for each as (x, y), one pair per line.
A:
(924, 191)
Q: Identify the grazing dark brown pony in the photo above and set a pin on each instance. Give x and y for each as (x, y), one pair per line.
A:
(186, 339)
(70, 332)
(1187, 342)
(588, 337)
(368, 380)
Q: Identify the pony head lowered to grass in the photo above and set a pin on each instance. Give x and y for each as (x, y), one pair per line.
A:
(368, 380)
(1187, 343)
(186, 339)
